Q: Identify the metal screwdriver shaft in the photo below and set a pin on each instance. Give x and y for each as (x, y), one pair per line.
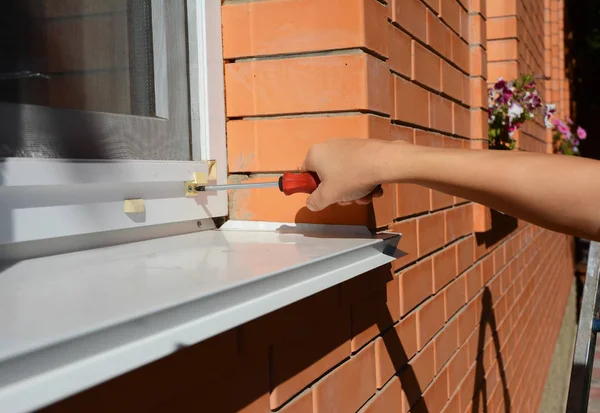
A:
(232, 187)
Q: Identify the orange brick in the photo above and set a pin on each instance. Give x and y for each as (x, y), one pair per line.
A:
(478, 61)
(453, 143)
(395, 348)
(423, 368)
(487, 269)
(452, 82)
(349, 386)
(415, 285)
(430, 233)
(464, 23)
(450, 14)
(478, 6)
(411, 102)
(425, 138)
(501, 8)
(384, 207)
(467, 99)
(434, 4)
(408, 242)
(479, 124)
(453, 404)
(505, 70)
(466, 393)
(440, 113)
(495, 289)
(446, 344)
(479, 92)
(400, 51)
(444, 267)
(410, 14)
(455, 296)
(302, 26)
(439, 35)
(464, 4)
(467, 320)
(477, 30)
(436, 395)
(462, 120)
(499, 258)
(430, 319)
(505, 49)
(502, 28)
(411, 199)
(440, 200)
(389, 399)
(291, 85)
(257, 145)
(460, 52)
(465, 255)
(459, 222)
(257, 205)
(425, 66)
(457, 368)
(402, 133)
(301, 404)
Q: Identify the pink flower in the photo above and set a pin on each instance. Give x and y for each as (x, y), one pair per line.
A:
(562, 128)
(569, 120)
(581, 133)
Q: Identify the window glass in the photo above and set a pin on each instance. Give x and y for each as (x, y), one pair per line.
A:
(97, 57)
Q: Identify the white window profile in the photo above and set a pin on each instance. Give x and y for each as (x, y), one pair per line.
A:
(47, 198)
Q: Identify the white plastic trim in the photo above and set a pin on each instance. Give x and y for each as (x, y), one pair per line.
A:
(115, 309)
(48, 199)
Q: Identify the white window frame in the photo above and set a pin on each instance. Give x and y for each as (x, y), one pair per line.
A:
(50, 199)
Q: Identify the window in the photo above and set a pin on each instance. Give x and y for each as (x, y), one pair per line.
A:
(106, 101)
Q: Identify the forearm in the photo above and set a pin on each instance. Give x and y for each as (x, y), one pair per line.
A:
(556, 192)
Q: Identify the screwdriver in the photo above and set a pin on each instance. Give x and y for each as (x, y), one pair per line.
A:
(289, 183)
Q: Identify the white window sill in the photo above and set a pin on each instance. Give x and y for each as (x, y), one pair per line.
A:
(71, 321)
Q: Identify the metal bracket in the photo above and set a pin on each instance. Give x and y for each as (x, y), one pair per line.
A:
(201, 178)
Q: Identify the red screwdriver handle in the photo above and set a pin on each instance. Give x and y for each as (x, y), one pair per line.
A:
(298, 182)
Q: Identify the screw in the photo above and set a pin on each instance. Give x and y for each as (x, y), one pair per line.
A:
(199, 223)
(190, 188)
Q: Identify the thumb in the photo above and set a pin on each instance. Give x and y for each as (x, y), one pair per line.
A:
(320, 199)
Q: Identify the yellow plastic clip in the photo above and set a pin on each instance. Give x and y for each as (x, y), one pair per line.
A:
(134, 206)
(200, 178)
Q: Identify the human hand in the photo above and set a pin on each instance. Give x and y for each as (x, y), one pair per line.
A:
(349, 170)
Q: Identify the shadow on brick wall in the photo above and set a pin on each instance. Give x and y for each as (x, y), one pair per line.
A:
(480, 390)
(268, 363)
(502, 226)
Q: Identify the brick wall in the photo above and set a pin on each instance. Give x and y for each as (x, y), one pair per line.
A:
(468, 320)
